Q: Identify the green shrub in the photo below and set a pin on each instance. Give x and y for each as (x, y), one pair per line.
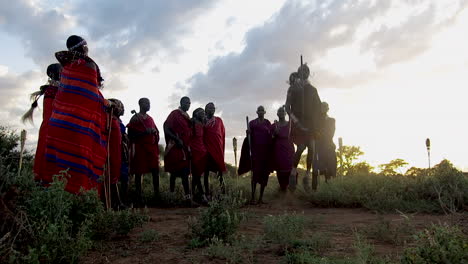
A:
(221, 220)
(395, 233)
(50, 225)
(149, 235)
(241, 250)
(284, 229)
(443, 189)
(438, 244)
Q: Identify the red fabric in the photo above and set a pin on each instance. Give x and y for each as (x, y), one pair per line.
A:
(39, 159)
(76, 138)
(176, 159)
(215, 140)
(115, 150)
(199, 152)
(146, 150)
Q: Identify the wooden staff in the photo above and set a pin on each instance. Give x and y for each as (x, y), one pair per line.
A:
(428, 147)
(22, 143)
(234, 145)
(107, 180)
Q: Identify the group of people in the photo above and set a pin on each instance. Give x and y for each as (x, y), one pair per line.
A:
(270, 147)
(83, 137)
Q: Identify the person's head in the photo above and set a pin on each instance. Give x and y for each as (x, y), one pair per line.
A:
(325, 107)
(199, 114)
(281, 113)
(293, 77)
(185, 103)
(78, 44)
(261, 111)
(210, 110)
(303, 71)
(53, 71)
(144, 104)
(119, 109)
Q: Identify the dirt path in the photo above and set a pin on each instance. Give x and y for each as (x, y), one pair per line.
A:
(171, 225)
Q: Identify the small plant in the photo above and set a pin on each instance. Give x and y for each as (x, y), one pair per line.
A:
(284, 229)
(221, 220)
(241, 250)
(316, 243)
(386, 231)
(438, 244)
(149, 235)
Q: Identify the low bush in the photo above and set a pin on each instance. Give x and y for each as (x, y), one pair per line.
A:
(443, 189)
(438, 244)
(220, 220)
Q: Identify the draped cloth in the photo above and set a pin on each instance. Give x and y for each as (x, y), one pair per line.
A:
(261, 139)
(199, 150)
(176, 159)
(115, 150)
(283, 152)
(146, 150)
(306, 107)
(326, 149)
(215, 140)
(39, 161)
(77, 134)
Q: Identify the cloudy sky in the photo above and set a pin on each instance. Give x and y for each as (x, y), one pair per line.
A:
(393, 72)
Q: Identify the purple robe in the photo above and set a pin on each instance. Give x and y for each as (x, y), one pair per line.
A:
(261, 139)
(283, 152)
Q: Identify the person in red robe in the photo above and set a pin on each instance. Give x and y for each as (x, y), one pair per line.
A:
(199, 155)
(215, 140)
(77, 134)
(144, 136)
(178, 132)
(115, 152)
(49, 91)
(283, 149)
(261, 139)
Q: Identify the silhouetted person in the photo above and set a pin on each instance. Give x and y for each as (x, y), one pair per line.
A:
(261, 139)
(115, 151)
(178, 132)
(144, 136)
(77, 134)
(215, 140)
(49, 91)
(283, 149)
(303, 106)
(199, 154)
(326, 162)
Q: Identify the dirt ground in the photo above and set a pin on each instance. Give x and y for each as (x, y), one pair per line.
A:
(172, 246)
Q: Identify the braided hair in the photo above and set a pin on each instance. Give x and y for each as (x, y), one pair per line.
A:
(53, 71)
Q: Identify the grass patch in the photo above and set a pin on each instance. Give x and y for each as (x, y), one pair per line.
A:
(149, 235)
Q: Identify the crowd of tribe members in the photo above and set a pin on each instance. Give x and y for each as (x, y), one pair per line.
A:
(82, 133)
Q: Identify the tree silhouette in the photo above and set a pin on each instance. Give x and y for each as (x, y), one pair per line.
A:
(393, 167)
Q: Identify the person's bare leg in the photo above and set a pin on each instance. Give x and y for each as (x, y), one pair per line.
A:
(139, 192)
(155, 174)
(262, 190)
(296, 159)
(221, 182)
(206, 182)
(254, 186)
